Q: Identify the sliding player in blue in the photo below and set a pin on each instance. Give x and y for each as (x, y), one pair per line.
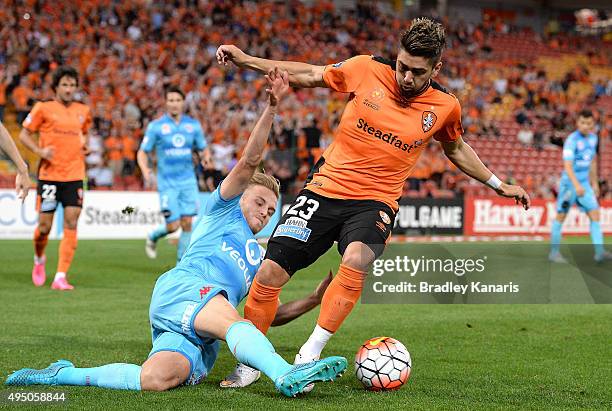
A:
(193, 305)
(579, 185)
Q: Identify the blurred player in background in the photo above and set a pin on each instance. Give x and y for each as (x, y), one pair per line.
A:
(173, 136)
(22, 180)
(350, 196)
(193, 305)
(62, 125)
(579, 185)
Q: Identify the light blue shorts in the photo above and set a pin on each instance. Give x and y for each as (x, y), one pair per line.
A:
(567, 198)
(179, 202)
(178, 297)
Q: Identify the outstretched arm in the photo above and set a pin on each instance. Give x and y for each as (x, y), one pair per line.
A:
(300, 74)
(293, 309)
(22, 181)
(462, 155)
(238, 179)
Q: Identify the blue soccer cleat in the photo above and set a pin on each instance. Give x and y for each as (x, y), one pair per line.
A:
(29, 376)
(295, 380)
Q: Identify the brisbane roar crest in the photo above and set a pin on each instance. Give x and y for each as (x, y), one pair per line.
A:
(429, 119)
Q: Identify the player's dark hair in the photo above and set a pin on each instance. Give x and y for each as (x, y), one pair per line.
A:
(586, 113)
(425, 38)
(174, 89)
(61, 72)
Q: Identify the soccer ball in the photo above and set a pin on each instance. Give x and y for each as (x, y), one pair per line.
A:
(382, 364)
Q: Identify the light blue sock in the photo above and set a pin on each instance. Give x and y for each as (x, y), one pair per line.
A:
(183, 243)
(158, 233)
(555, 237)
(117, 376)
(252, 348)
(597, 238)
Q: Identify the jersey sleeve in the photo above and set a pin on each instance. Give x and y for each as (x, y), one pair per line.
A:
(346, 75)
(569, 148)
(35, 118)
(149, 139)
(199, 140)
(452, 128)
(217, 204)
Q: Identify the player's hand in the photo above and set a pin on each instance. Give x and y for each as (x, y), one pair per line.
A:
(320, 290)
(22, 185)
(278, 85)
(46, 153)
(85, 150)
(516, 192)
(150, 181)
(227, 53)
(596, 190)
(580, 191)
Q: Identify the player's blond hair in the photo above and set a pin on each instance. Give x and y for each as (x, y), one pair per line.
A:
(267, 181)
(425, 38)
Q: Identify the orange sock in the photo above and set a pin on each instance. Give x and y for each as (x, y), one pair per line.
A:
(340, 297)
(66, 250)
(261, 305)
(40, 242)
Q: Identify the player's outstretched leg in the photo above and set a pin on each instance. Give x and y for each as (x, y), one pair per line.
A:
(252, 348)
(116, 376)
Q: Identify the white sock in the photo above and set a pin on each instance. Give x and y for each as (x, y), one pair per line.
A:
(39, 260)
(313, 347)
(59, 275)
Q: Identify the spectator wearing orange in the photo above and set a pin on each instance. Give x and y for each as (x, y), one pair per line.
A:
(114, 151)
(21, 99)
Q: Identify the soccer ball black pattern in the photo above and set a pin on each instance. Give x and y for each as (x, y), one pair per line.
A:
(382, 364)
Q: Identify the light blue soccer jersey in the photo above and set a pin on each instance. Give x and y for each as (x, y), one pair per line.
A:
(223, 248)
(173, 144)
(580, 150)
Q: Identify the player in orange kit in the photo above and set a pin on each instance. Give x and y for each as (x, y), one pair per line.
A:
(62, 125)
(350, 196)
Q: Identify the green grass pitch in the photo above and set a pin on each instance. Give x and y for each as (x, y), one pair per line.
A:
(464, 356)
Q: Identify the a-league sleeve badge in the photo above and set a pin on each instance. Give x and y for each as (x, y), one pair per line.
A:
(429, 119)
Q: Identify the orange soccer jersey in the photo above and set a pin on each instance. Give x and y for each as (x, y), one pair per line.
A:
(63, 128)
(380, 136)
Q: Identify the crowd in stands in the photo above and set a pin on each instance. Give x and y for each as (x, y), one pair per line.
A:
(126, 52)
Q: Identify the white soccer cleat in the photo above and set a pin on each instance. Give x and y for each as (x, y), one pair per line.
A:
(556, 258)
(151, 248)
(243, 376)
(299, 359)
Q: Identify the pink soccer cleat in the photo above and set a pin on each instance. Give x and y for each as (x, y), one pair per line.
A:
(39, 276)
(61, 284)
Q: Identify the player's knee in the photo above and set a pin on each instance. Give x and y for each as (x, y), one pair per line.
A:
(44, 228)
(594, 215)
(271, 274)
(172, 227)
(154, 379)
(186, 224)
(71, 225)
(358, 257)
